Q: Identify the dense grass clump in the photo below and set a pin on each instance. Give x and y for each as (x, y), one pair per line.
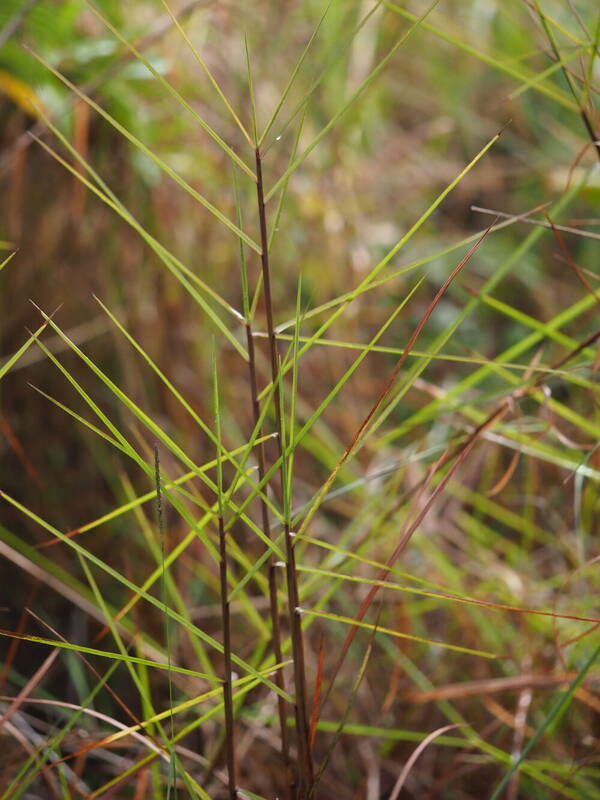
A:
(299, 416)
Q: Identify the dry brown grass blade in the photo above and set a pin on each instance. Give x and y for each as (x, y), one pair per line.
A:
(37, 677)
(504, 716)
(506, 478)
(14, 645)
(14, 443)
(459, 454)
(579, 637)
(415, 755)
(540, 223)
(462, 453)
(487, 686)
(570, 260)
(588, 699)
(142, 785)
(409, 531)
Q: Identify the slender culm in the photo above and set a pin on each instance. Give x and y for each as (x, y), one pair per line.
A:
(224, 591)
(272, 576)
(305, 767)
(160, 519)
(227, 692)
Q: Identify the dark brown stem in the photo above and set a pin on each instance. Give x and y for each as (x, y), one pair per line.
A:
(305, 766)
(227, 693)
(266, 525)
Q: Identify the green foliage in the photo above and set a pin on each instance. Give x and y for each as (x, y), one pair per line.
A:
(313, 478)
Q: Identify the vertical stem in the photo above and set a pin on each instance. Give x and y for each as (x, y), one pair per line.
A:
(161, 532)
(227, 693)
(273, 601)
(225, 611)
(302, 731)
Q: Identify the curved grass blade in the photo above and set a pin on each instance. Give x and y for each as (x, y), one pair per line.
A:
(415, 755)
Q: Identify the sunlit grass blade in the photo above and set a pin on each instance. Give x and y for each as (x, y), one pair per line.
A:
(344, 41)
(387, 387)
(284, 95)
(209, 74)
(378, 268)
(588, 121)
(104, 192)
(122, 657)
(10, 362)
(179, 270)
(162, 165)
(375, 284)
(449, 597)
(510, 353)
(9, 258)
(197, 525)
(251, 92)
(121, 579)
(171, 89)
(398, 634)
(315, 416)
(155, 429)
(491, 60)
(283, 192)
(355, 95)
(31, 561)
(206, 429)
(139, 500)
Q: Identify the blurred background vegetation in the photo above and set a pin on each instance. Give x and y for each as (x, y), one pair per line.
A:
(474, 67)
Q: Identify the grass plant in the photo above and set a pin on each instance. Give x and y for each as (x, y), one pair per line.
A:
(315, 511)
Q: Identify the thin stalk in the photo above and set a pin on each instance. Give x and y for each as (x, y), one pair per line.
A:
(160, 518)
(266, 525)
(305, 770)
(225, 610)
(272, 570)
(227, 692)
